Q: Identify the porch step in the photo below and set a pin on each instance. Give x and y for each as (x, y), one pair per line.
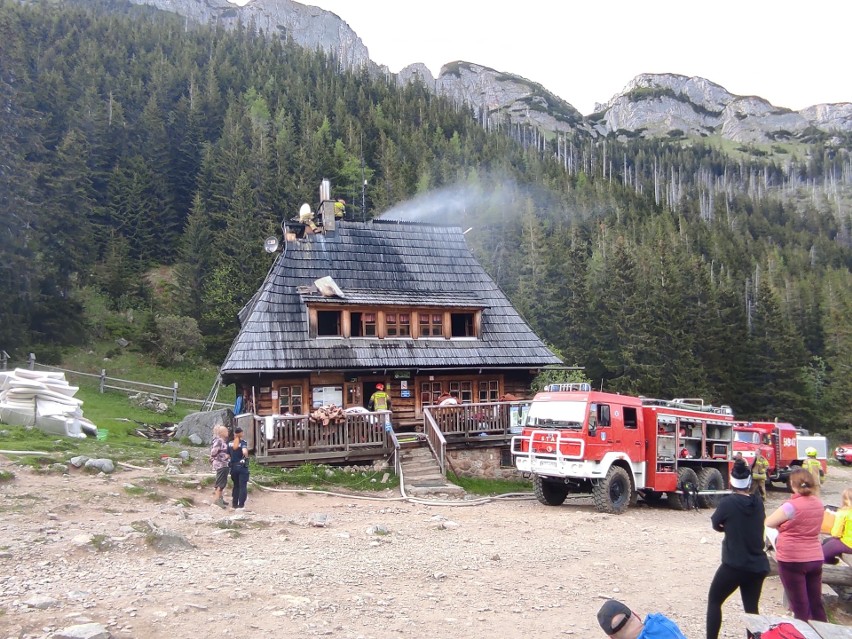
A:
(423, 476)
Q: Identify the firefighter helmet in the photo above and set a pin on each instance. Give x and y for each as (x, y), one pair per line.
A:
(381, 387)
(810, 451)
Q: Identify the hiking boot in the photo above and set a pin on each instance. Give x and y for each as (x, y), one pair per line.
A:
(221, 503)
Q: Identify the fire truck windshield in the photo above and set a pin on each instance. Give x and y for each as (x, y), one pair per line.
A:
(747, 436)
(556, 415)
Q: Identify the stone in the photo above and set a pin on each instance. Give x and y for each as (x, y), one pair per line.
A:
(167, 541)
(83, 631)
(41, 602)
(78, 461)
(202, 423)
(378, 529)
(320, 520)
(103, 465)
(195, 439)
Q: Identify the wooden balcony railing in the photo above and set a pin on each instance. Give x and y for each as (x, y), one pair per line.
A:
(293, 439)
(360, 435)
(478, 422)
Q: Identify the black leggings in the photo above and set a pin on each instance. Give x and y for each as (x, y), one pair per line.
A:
(725, 582)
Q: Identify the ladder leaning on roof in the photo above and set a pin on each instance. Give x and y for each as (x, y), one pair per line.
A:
(210, 402)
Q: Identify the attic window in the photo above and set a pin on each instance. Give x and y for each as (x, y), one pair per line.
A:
(397, 324)
(328, 323)
(431, 324)
(462, 325)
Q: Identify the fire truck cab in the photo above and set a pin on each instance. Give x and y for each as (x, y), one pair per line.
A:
(781, 443)
(618, 447)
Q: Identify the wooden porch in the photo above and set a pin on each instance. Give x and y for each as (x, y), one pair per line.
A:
(362, 437)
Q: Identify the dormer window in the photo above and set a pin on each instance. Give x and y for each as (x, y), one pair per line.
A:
(328, 323)
(462, 325)
(393, 322)
(397, 324)
(431, 324)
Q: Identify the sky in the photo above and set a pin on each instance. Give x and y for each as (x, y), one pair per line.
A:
(792, 54)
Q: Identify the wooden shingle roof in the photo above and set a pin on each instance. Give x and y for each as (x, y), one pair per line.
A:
(378, 264)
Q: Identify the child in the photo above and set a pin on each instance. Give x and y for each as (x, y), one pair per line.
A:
(840, 541)
(219, 458)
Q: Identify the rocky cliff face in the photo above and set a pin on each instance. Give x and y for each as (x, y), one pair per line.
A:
(662, 104)
(650, 105)
(310, 27)
(497, 95)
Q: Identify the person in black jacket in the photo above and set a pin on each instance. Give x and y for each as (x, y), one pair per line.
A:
(740, 516)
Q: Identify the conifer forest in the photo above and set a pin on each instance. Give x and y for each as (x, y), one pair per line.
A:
(143, 161)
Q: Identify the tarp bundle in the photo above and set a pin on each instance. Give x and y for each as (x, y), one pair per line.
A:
(43, 400)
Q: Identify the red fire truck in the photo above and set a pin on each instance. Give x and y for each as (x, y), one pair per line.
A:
(781, 443)
(618, 447)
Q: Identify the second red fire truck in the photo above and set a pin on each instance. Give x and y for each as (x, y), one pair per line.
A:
(618, 448)
(781, 443)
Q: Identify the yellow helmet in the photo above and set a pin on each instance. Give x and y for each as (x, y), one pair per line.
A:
(810, 451)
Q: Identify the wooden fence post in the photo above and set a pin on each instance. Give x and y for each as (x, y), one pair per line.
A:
(174, 393)
(103, 380)
(31, 361)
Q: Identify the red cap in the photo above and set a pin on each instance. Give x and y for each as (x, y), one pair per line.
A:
(380, 387)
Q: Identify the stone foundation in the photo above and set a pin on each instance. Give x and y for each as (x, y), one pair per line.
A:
(480, 462)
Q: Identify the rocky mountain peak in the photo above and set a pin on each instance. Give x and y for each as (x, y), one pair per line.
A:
(663, 104)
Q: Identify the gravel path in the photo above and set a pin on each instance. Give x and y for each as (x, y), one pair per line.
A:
(77, 548)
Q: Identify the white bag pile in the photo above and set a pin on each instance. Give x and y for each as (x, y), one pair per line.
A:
(43, 400)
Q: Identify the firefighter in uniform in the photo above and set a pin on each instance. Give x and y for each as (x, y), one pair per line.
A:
(758, 474)
(339, 209)
(379, 400)
(812, 465)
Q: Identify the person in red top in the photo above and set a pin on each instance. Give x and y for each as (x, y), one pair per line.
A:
(798, 548)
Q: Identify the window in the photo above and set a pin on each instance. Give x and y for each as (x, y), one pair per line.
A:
(290, 400)
(630, 417)
(462, 391)
(489, 391)
(603, 415)
(462, 325)
(397, 324)
(363, 324)
(328, 323)
(429, 392)
(431, 324)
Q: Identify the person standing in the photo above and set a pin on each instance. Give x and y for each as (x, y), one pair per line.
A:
(798, 549)
(812, 465)
(238, 450)
(840, 541)
(758, 474)
(379, 400)
(744, 565)
(219, 459)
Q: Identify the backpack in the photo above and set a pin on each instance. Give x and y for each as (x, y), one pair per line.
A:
(783, 630)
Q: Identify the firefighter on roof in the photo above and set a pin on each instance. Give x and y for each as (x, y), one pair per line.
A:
(339, 209)
(812, 465)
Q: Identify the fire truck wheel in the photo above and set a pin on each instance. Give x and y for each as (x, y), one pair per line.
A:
(613, 493)
(710, 479)
(677, 500)
(549, 493)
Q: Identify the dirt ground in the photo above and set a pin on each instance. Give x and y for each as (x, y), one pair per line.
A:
(76, 548)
